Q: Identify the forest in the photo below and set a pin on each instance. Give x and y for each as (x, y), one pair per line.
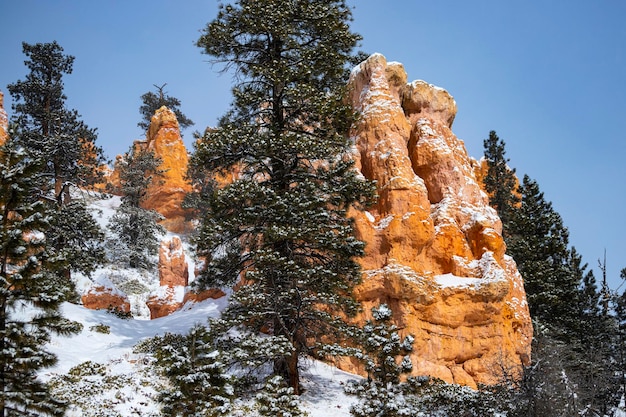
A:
(284, 229)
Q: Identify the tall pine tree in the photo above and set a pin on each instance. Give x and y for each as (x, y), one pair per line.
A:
(66, 147)
(500, 181)
(539, 245)
(51, 131)
(283, 224)
(25, 282)
(136, 229)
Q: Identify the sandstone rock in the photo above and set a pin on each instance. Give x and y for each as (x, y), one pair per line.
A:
(166, 197)
(4, 121)
(102, 298)
(434, 250)
(165, 302)
(165, 194)
(173, 269)
(196, 297)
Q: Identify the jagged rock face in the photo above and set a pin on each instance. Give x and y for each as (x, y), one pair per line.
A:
(173, 269)
(434, 250)
(4, 121)
(101, 298)
(166, 195)
(174, 292)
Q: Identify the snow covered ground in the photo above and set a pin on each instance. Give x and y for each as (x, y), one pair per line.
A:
(99, 372)
(118, 382)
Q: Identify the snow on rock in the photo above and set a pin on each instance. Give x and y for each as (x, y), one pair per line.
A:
(4, 120)
(442, 269)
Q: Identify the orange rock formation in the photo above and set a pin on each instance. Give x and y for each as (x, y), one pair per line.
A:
(174, 279)
(173, 269)
(434, 249)
(165, 194)
(4, 121)
(101, 298)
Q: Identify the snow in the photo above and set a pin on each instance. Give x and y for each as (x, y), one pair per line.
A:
(324, 383)
(449, 280)
(126, 383)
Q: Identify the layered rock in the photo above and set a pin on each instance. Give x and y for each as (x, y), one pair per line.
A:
(4, 121)
(165, 194)
(434, 250)
(103, 298)
(173, 292)
(173, 268)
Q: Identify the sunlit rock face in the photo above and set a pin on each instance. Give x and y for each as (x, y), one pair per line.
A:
(166, 194)
(434, 250)
(4, 121)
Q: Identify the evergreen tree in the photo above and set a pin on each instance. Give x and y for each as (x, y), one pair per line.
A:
(539, 245)
(25, 282)
(500, 181)
(382, 346)
(70, 157)
(151, 102)
(278, 400)
(136, 229)
(200, 385)
(620, 342)
(593, 359)
(283, 224)
(52, 132)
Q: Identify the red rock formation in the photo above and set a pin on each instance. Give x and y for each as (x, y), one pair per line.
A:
(174, 280)
(166, 301)
(166, 196)
(4, 121)
(434, 249)
(195, 297)
(173, 269)
(102, 298)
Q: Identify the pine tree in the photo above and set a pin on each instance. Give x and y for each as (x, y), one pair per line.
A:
(67, 148)
(539, 245)
(500, 181)
(151, 102)
(283, 224)
(136, 229)
(51, 131)
(197, 372)
(382, 347)
(25, 282)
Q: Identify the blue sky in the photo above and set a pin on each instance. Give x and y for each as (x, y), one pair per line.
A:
(548, 76)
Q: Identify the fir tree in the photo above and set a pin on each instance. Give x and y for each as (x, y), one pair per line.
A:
(385, 356)
(539, 245)
(283, 224)
(52, 132)
(151, 102)
(500, 181)
(25, 282)
(593, 360)
(136, 229)
(278, 400)
(67, 148)
(197, 372)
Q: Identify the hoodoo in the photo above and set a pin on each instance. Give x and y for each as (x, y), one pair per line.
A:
(434, 249)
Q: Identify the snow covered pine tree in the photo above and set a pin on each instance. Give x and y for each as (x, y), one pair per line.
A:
(283, 223)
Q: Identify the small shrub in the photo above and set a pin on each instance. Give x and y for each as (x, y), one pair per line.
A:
(100, 328)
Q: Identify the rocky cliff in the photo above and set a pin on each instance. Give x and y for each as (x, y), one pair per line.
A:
(434, 250)
(4, 120)
(165, 194)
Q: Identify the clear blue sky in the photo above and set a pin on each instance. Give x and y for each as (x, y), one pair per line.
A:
(548, 76)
